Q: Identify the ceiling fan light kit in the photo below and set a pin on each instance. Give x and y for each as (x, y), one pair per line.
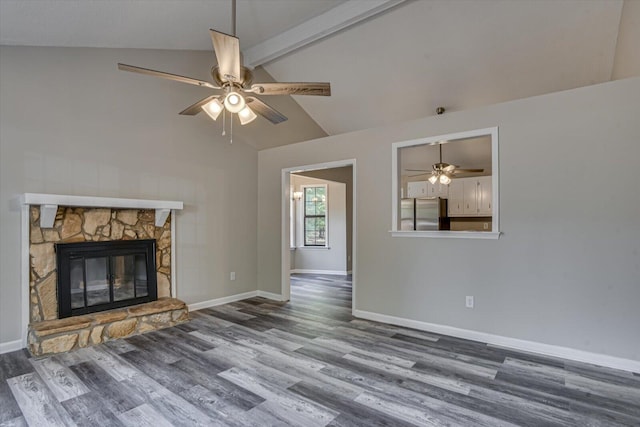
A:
(232, 78)
(213, 108)
(234, 102)
(246, 115)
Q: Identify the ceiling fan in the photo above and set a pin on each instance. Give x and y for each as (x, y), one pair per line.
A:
(443, 172)
(233, 81)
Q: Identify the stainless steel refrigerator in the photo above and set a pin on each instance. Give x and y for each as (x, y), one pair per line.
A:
(424, 214)
(407, 214)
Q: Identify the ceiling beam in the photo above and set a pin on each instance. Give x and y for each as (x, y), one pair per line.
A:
(338, 18)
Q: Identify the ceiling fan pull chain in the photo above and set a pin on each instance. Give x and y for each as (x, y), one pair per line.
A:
(231, 126)
(224, 122)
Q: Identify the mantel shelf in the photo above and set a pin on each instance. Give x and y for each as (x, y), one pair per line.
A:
(49, 205)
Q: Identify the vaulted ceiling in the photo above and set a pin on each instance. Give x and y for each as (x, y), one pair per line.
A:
(398, 61)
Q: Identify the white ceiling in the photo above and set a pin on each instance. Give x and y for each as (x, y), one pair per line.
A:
(395, 66)
(148, 24)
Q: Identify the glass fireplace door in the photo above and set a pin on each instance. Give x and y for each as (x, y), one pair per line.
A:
(97, 276)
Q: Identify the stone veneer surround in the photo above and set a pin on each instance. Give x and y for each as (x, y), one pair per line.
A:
(76, 224)
(85, 225)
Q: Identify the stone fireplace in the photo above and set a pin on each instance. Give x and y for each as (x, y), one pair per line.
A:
(128, 238)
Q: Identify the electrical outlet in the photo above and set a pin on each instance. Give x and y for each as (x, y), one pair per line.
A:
(469, 301)
(232, 276)
(485, 225)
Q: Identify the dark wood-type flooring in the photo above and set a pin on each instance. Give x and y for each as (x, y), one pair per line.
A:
(307, 363)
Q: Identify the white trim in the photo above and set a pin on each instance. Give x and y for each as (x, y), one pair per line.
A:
(338, 18)
(331, 272)
(511, 343)
(285, 264)
(491, 235)
(313, 248)
(25, 274)
(285, 259)
(233, 298)
(98, 202)
(161, 216)
(495, 173)
(48, 215)
(219, 301)
(9, 346)
(270, 295)
(174, 271)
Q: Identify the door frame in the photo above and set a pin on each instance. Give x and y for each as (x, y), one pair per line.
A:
(285, 266)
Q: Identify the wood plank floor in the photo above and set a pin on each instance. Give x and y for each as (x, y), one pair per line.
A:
(307, 363)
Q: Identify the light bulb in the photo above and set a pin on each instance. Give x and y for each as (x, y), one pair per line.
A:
(246, 115)
(444, 179)
(234, 102)
(433, 179)
(213, 108)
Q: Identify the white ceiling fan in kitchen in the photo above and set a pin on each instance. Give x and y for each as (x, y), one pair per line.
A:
(235, 91)
(443, 172)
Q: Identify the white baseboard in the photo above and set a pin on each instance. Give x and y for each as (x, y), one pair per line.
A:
(507, 342)
(270, 295)
(233, 298)
(9, 346)
(331, 272)
(219, 301)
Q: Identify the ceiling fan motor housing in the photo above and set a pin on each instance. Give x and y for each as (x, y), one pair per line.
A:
(246, 77)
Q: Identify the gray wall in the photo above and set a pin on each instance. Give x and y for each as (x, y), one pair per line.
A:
(344, 175)
(71, 123)
(333, 258)
(567, 269)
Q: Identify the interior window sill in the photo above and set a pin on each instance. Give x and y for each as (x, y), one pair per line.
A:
(314, 248)
(490, 235)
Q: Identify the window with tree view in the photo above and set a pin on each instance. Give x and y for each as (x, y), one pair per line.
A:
(315, 215)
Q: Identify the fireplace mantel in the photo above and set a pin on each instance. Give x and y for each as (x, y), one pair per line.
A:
(49, 205)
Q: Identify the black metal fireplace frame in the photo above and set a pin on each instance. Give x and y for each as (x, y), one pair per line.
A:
(66, 251)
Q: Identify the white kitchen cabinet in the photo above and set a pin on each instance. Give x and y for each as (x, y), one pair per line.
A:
(470, 196)
(485, 195)
(437, 190)
(456, 197)
(417, 189)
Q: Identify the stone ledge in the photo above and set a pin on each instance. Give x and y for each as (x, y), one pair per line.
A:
(61, 335)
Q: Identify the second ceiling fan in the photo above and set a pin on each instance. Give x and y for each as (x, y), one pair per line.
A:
(443, 172)
(233, 81)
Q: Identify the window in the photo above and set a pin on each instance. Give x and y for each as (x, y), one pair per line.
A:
(315, 215)
(446, 186)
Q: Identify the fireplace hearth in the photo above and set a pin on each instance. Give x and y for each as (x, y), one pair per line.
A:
(99, 276)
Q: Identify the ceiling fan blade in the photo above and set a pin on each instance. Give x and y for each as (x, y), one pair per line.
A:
(321, 89)
(194, 109)
(175, 77)
(449, 168)
(265, 111)
(227, 49)
(418, 170)
(470, 170)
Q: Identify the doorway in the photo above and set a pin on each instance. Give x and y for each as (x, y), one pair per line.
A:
(310, 239)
